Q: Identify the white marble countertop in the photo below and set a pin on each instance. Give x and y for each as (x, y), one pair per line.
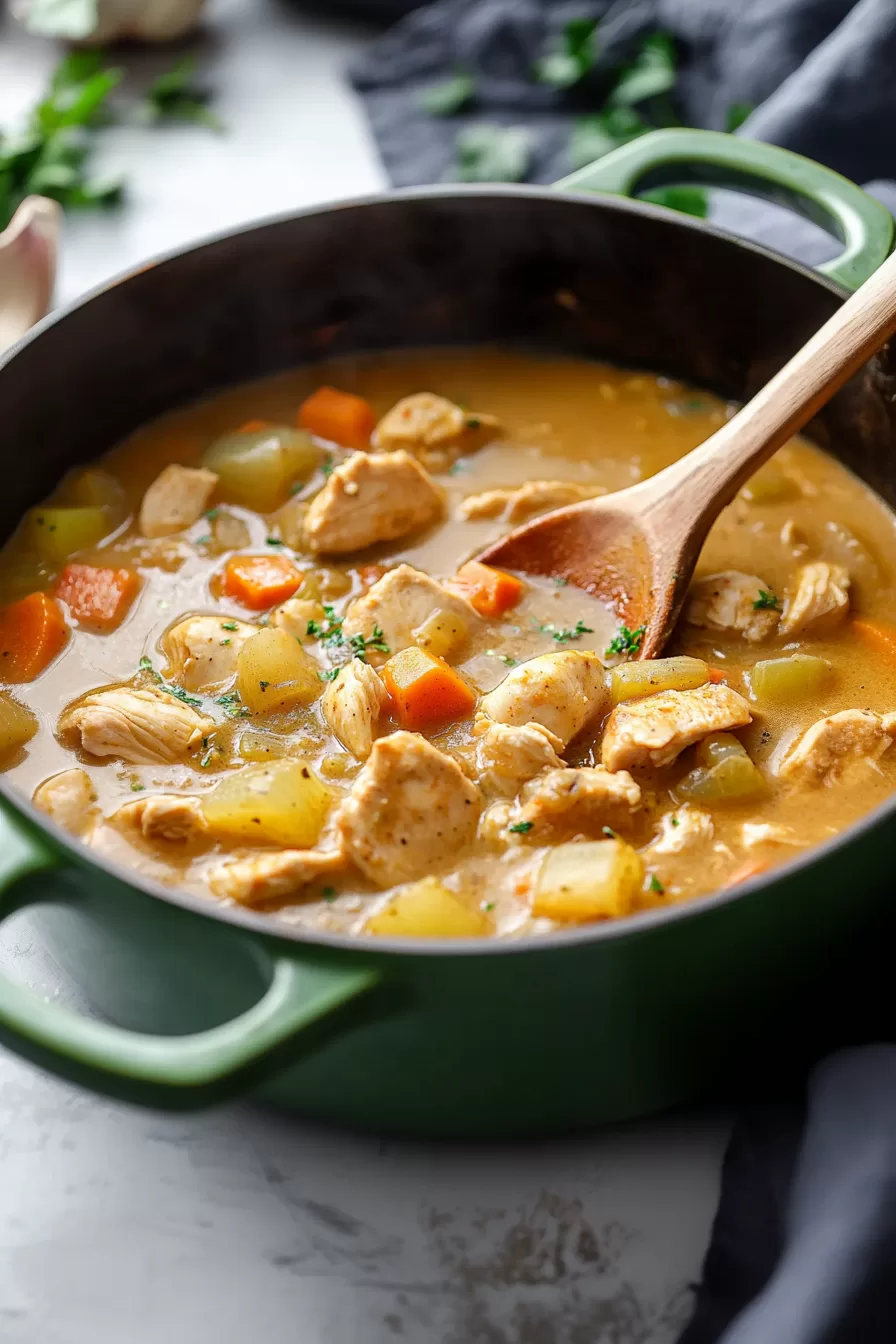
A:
(120, 1225)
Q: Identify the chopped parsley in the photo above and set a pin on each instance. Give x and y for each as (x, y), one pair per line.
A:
(626, 641)
(507, 660)
(675, 821)
(331, 674)
(656, 885)
(212, 514)
(232, 705)
(264, 685)
(473, 422)
(180, 694)
(520, 827)
(329, 893)
(229, 625)
(135, 787)
(359, 644)
(274, 541)
(766, 602)
(224, 643)
(327, 468)
(329, 633)
(488, 905)
(608, 832)
(563, 636)
(206, 760)
(202, 541)
(457, 467)
(561, 583)
(145, 664)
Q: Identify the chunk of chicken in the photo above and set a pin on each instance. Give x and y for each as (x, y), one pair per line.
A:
(352, 705)
(653, 731)
(163, 818)
(727, 602)
(756, 833)
(833, 744)
(509, 755)
(202, 650)
(399, 603)
(410, 811)
(272, 878)
(176, 499)
(526, 500)
(817, 599)
(681, 830)
(371, 497)
(434, 430)
(569, 801)
(69, 800)
(560, 691)
(139, 727)
(294, 615)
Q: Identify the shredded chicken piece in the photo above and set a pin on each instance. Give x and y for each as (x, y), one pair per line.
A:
(371, 497)
(653, 731)
(682, 830)
(139, 727)
(817, 600)
(573, 801)
(755, 833)
(69, 799)
(271, 878)
(526, 500)
(294, 615)
(399, 603)
(833, 744)
(163, 818)
(435, 430)
(410, 810)
(352, 705)
(560, 691)
(727, 602)
(509, 755)
(176, 499)
(792, 535)
(202, 650)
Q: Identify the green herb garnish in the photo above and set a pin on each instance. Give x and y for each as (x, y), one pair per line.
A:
(457, 467)
(561, 583)
(626, 641)
(488, 905)
(608, 832)
(328, 632)
(329, 893)
(202, 541)
(212, 514)
(507, 660)
(327, 468)
(175, 96)
(564, 636)
(331, 674)
(264, 685)
(675, 821)
(443, 100)
(224, 643)
(180, 694)
(766, 602)
(229, 625)
(145, 664)
(274, 541)
(233, 706)
(359, 644)
(520, 827)
(135, 787)
(656, 885)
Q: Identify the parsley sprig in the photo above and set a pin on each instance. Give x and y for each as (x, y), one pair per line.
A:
(330, 635)
(562, 636)
(767, 601)
(626, 641)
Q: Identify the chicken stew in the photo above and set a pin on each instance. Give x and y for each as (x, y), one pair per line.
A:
(248, 654)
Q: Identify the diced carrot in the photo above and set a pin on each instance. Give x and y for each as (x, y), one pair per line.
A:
(425, 691)
(339, 417)
(260, 581)
(716, 675)
(490, 591)
(749, 868)
(32, 632)
(97, 597)
(255, 426)
(878, 635)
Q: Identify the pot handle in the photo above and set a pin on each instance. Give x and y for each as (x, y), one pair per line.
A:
(168, 1072)
(714, 159)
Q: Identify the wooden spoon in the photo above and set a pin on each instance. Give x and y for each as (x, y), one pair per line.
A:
(636, 549)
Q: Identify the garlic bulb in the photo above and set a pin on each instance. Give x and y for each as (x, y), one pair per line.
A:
(27, 267)
(110, 20)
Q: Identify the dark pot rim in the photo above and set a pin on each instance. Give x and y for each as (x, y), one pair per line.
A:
(267, 925)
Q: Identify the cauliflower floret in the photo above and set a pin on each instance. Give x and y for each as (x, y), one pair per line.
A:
(139, 727)
(435, 430)
(817, 600)
(68, 799)
(176, 499)
(728, 602)
(370, 498)
(202, 650)
(653, 731)
(560, 691)
(352, 705)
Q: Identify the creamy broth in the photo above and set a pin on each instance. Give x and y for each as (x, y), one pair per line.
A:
(561, 420)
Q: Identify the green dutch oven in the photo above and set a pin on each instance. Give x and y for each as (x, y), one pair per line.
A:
(199, 1001)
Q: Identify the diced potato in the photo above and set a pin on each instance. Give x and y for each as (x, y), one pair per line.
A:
(274, 673)
(628, 681)
(281, 803)
(339, 765)
(778, 681)
(94, 488)
(56, 532)
(326, 583)
(770, 485)
(443, 633)
(734, 780)
(230, 533)
(257, 468)
(427, 909)
(17, 725)
(256, 746)
(591, 879)
(718, 747)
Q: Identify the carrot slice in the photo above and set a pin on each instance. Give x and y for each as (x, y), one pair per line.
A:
(32, 631)
(878, 635)
(425, 691)
(716, 675)
(749, 868)
(260, 581)
(97, 597)
(489, 591)
(255, 426)
(339, 417)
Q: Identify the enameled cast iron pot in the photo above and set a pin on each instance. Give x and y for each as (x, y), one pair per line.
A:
(474, 1038)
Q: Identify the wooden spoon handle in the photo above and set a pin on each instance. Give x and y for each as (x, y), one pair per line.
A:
(711, 476)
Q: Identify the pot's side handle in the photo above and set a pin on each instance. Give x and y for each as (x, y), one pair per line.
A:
(168, 1072)
(713, 159)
